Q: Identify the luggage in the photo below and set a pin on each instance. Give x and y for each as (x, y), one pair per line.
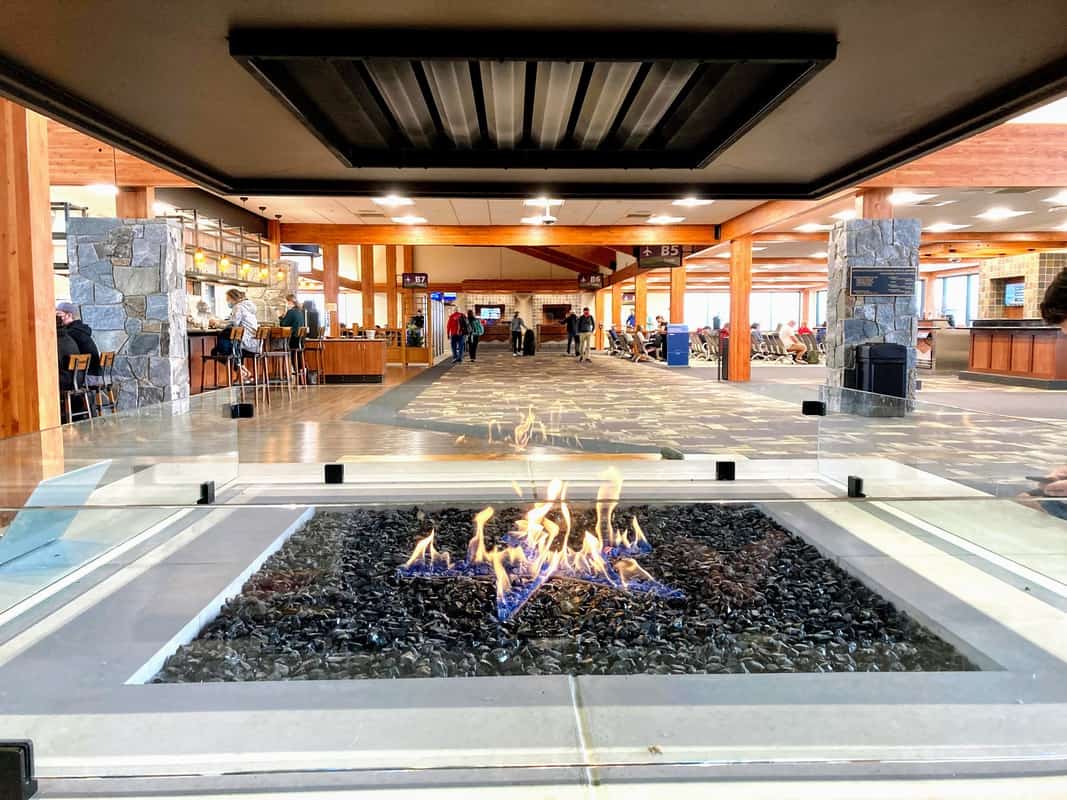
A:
(528, 344)
(812, 356)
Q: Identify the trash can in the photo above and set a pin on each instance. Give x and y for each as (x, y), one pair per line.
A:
(677, 345)
(882, 369)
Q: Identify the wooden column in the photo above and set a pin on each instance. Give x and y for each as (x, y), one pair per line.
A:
(600, 312)
(806, 310)
(366, 282)
(929, 298)
(874, 204)
(641, 299)
(274, 239)
(740, 298)
(331, 283)
(616, 307)
(135, 202)
(29, 364)
(390, 284)
(677, 313)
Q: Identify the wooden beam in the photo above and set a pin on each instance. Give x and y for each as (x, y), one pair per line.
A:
(274, 239)
(616, 306)
(557, 258)
(502, 235)
(1008, 155)
(135, 202)
(622, 275)
(342, 282)
(331, 287)
(29, 367)
(366, 279)
(773, 213)
(784, 262)
(677, 308)
(75, 159)
(601, 256)
(783, 237)
(740, 365)
(874, 203)
(1056, 237)
(390, 285)
(600, 309)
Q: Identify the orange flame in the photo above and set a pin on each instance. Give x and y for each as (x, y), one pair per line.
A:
(425, 553)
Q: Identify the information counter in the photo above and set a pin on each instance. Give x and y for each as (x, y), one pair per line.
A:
(1023, 352)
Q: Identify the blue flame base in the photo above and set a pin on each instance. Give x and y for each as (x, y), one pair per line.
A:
(523, 586)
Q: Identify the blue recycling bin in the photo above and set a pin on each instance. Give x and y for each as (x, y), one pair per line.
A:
(677, 345)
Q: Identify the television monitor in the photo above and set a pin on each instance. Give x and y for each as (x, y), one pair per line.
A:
(489, 312)
(1013, 294)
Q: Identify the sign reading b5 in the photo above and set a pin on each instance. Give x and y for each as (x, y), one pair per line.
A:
(414, 280)
(658, 256)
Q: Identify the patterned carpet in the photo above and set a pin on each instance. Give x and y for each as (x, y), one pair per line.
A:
(612, 404)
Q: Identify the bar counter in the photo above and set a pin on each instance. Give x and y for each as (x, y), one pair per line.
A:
(340, 360)
(1017, 352)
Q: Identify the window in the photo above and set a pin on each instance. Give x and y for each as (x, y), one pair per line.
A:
(820, 308)
(957, 296)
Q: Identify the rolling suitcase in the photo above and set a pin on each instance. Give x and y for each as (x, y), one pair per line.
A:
(528, 344)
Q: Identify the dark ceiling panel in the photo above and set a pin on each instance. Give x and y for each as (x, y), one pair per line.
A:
(495, 99)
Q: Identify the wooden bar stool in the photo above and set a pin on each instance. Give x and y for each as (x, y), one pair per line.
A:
(232, 360)
(314, 347)
(105, 389)
(299, 362)
(273, 348)
(79, 366)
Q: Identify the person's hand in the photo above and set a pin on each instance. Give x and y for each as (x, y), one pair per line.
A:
(1058, 474)
(1056, 489)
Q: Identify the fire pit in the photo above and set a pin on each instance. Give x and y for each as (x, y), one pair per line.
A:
(552, 590)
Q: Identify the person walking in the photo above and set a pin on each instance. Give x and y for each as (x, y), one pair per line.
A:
(477, 330)
(457, 330)
(585, 326)
(571, 321)
(517, 327)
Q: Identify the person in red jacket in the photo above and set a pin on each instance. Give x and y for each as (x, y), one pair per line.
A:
(457, 329)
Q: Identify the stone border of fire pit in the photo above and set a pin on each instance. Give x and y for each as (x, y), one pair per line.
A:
(74, 702)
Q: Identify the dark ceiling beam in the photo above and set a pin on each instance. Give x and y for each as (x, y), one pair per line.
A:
(558, 258)
(503, 235)
(368, 99)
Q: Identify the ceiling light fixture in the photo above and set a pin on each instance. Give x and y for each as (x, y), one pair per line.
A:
(664, 219)
(904, 197)
(542, 202)
(1060, 198)
(945, 227)
(812, 227)
(1000, 213)
(409, 219)
(692, 202)
(847, 214)
(393, 201)
(538, 220)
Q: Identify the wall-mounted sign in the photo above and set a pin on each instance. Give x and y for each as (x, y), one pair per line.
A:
(658, 256)
(591, 282)
(882, 281)
(629, 297)
(414, 280)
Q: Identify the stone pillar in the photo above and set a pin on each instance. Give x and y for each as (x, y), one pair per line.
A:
(855, 320)
(128, 278)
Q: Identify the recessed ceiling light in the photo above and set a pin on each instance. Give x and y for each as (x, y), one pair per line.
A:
(847, 214)
(1060, 198)
(820, 254)
(692, 202)
(393, 201)
(538, 220)
(664, 219)
(103, 188)
(998, 213)
(542, 202)
(945, 227)
(409, 219)
(902, 197)
(812, 227)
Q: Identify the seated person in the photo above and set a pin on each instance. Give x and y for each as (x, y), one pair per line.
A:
(793, 345)
(81, 333)
(804, 329)
(67, 347)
